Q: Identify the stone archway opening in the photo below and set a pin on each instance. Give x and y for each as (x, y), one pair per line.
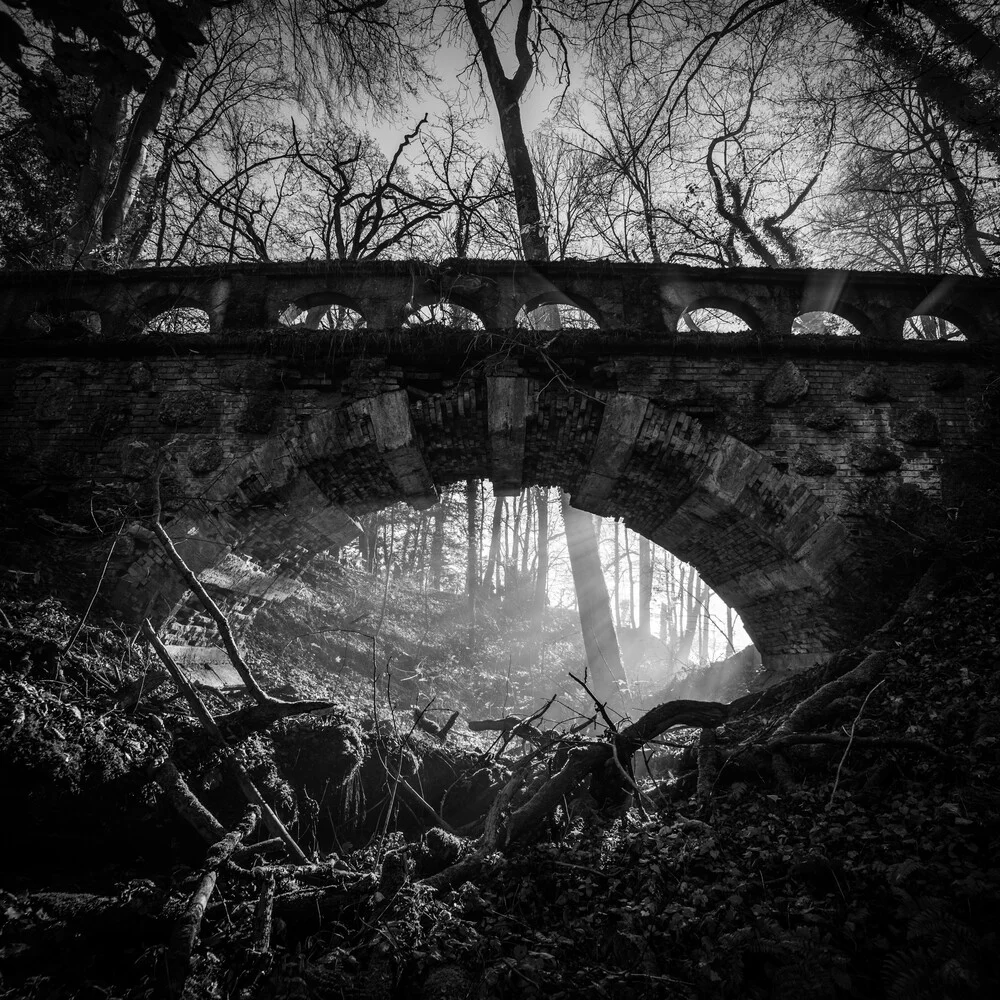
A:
(444, 313)
(926, 327)
(73, 315)
(759, 536)
(180, 320)
(539, 315)
(709, 318)
(323, 311)
(820, 323)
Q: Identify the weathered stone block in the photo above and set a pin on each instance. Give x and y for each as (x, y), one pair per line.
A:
(204, 456)
(784, 385)
(947, 380)
(137, 459)
(916, 426)
(258, 413)
(868, 386)
(255, 374)
(807, 461)
(872, 457)
(747, 420)
(110, 420)
(825, 418)
(185, 408)
(54, 404)
(140, 377)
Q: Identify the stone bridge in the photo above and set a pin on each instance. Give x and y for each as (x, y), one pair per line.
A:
(753, 453)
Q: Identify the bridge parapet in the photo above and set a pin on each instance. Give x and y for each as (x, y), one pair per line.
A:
(385, 294)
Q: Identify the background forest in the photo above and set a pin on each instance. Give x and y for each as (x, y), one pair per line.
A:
(768, 132)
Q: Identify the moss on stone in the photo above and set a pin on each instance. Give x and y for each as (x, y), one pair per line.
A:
(873, 457)
(784, 385)
(916, 426)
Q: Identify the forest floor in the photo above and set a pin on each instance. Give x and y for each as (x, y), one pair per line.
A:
(847, 849)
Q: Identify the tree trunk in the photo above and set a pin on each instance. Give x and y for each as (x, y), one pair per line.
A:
(645, 583)
(437, 547)
(472, 539)
(541, 598)
(492, 559)
(604, 662)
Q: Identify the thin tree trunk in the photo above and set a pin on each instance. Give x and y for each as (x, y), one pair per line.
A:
(472, 539)
(491, 561)
(437, 547)
(645, 583)
(615, 569)
(541, 599)
(600, 640)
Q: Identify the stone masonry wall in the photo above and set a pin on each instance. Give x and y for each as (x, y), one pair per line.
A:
(741, 456)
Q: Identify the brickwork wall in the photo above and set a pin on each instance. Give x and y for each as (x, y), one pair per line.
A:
(746, 460)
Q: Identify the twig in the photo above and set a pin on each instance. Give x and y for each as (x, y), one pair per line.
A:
(256, 692)
(235, 767)
(597, 702)
(104, 569)
(850, 740)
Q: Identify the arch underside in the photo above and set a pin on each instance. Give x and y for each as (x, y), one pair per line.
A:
(758, 536)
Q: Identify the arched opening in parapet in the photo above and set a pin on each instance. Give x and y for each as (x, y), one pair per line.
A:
(323, 311)
(819, 323)
(180, 320)
(444, 314)
(553, 311)
(931, 328)
(68, 315)
(717, 316)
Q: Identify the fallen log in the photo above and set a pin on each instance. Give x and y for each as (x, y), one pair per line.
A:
(170, 779)
(187, 930)
(231, 763)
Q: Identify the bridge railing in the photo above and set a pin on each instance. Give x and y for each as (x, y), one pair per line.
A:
(497, 294)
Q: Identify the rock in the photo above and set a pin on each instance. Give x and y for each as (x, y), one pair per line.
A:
(747, 420)
(824, 418)
(137, 459)
(110, 420)
(185, 408)
(54, 405)
(947, 380)
(871, 457)
(784, 385)
(868, 386)
(808, 462)
(916, 426)
(140, 377)
(258, 413)
(205, 456)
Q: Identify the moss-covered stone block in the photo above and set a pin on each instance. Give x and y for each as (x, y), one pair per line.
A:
(868, 386)
(258, 413)
(807, 461)
(185, 408)
(918, 426)
(784, 385)
(873, 457)
(825, 418)
(747, 420)
(204, 456)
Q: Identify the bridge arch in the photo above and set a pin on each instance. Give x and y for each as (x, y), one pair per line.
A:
(311, 305)
(760, 537)
(721, 303)
(557, 297)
